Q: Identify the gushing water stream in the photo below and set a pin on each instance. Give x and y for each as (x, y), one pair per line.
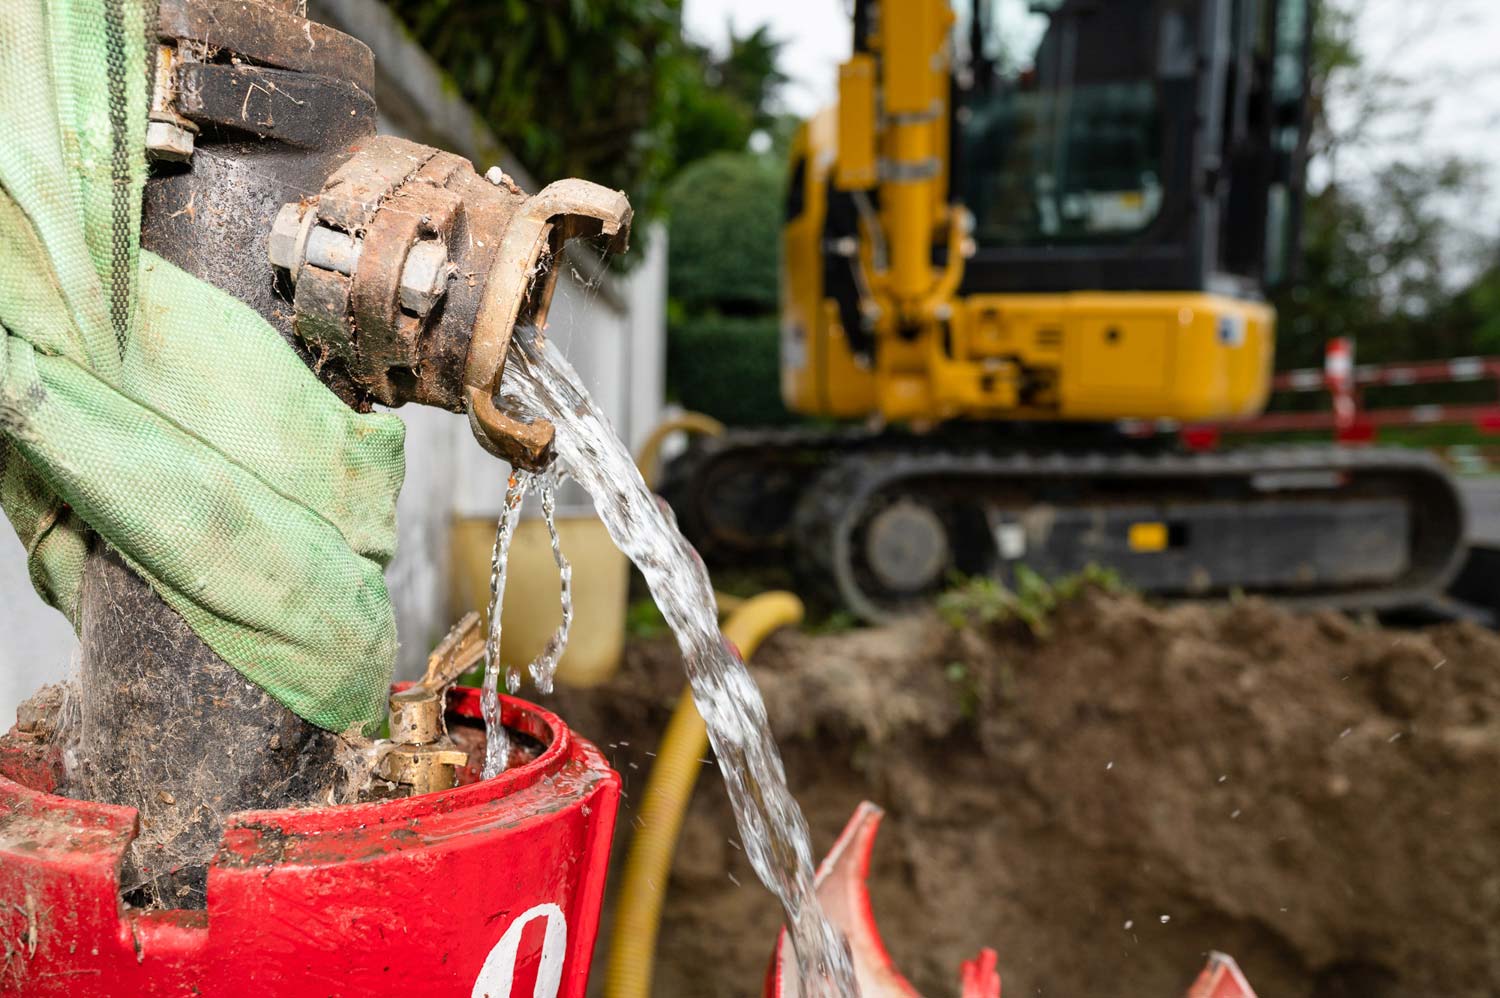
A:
(539, 382)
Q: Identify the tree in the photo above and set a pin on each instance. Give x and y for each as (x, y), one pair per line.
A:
(735, 96)
(1388, 238)
(609, 90)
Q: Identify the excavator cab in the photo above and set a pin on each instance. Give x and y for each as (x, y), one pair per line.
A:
(1130, 145)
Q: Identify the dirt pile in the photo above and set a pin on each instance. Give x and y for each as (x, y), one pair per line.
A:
(1105, 805)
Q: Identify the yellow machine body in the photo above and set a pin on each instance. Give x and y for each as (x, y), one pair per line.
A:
(936, 352)
(1024, 223)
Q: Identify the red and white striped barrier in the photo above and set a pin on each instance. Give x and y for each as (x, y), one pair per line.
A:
(1348, 419)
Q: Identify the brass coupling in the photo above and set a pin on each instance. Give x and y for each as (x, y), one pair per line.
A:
(564, 210)
(409, 272)
(420, 757)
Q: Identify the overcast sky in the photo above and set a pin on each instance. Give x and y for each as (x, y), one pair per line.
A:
(1451, 46)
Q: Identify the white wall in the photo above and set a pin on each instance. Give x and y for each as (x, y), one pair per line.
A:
(36, 642)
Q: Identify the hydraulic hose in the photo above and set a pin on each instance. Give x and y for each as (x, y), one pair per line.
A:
(679, 758)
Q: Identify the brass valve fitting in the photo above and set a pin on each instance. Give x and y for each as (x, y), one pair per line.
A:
(420, 757)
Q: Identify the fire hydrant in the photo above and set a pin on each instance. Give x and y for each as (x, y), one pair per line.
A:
(397, 273)
(490, 889)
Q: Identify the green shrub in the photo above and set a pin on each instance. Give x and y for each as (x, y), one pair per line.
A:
(724, 234)
(727, 366)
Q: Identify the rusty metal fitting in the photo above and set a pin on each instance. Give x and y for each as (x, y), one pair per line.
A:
(519, 288)
(296, 238)
(419, 756)
(289, 79)
(411, 271)
(169, 135)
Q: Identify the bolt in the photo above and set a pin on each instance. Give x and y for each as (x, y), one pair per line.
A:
(424, 278)
(333, 250)
(169, 142)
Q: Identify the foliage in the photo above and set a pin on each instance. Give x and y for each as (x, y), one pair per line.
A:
(723, 232)
(733, 96)
(726, 366)
(966, 687)
(723, 338)
(643, 619)
(983, 600)
(1389, 241)
(609, 90)
(1379, 267)
(835, 622)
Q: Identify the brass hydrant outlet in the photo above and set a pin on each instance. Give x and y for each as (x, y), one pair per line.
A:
(420, 757)
(409, 273)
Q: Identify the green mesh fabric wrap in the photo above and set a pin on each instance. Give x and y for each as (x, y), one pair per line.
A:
(141, 404)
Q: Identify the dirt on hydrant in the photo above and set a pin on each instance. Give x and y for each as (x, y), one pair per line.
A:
(1108, 803)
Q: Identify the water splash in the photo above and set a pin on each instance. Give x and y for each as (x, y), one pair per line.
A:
(497, 743)
(544, 667)
(540, 383)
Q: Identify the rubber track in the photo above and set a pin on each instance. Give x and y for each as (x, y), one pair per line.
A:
(838, 500)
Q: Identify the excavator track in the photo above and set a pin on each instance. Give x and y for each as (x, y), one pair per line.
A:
(876, 522)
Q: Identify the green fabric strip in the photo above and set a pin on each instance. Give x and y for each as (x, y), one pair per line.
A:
(142, 404)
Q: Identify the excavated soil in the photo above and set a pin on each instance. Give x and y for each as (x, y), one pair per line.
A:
(1104, 806)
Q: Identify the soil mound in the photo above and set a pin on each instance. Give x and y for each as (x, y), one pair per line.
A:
(1107, 804)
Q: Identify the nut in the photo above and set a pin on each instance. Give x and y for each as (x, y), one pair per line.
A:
(168, 142)
(424, 278)
(286, 245)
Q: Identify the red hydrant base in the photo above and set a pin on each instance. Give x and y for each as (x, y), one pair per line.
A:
(493, 888)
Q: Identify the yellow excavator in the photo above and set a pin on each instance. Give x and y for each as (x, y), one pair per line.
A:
(1024, 223)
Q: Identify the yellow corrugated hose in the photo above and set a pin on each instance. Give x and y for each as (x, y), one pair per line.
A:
(647, 457)
(679, 759)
